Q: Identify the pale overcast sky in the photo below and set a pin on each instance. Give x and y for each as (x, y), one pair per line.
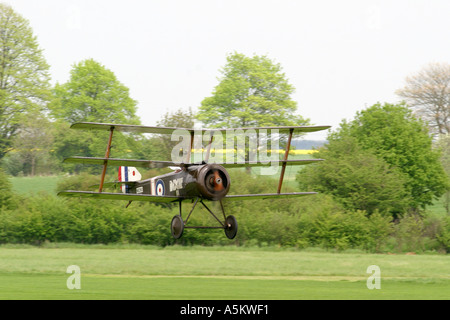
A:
(341, 56)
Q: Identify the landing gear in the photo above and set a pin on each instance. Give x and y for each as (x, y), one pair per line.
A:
(229, 225)
(177, 227)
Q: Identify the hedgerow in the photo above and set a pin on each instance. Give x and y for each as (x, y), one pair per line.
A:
(313, 221)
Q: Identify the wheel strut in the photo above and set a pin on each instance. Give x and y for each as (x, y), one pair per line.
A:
(178, 225)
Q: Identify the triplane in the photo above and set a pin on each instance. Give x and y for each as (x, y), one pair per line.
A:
(194, 182)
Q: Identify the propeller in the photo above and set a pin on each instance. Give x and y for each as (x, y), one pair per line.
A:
(215, 181)
(218, 185)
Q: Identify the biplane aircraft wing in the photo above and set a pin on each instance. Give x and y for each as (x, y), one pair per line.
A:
(195, 182)
(151, 164)
(168, 199)
(121, 196)
(169, 130)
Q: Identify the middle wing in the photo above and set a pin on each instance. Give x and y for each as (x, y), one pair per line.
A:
(268, 164)
(151, 164)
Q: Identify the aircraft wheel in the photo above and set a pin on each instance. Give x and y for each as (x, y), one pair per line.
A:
(177, 227)
(231, 227)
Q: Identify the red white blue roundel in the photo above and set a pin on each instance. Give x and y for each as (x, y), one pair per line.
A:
(159, 187)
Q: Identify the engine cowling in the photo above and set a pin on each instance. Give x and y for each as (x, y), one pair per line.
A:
(213, 181)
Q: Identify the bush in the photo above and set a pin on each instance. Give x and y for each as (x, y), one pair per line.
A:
(344, 230)
(5, 190)
(443, 234)
(357, 178)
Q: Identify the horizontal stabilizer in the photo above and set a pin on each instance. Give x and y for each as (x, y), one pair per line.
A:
(114, 184)
(119, 196)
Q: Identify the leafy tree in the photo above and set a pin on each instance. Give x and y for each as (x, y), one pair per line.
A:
(24, 77)
(251, 92)
(393, 134)
(443, 144)
(178, 119)
(90, 144)
(428, 93)
(357, 178)
(32, 143)
(93, 94)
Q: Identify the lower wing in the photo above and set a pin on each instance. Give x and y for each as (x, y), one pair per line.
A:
(167, 199)
(120, 196)
(268, 195)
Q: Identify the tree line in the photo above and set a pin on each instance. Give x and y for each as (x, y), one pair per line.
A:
(382, 169)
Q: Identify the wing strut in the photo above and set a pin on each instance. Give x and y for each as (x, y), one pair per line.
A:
(105, 163)
(208, 148)
(188, 156)
(286, 153)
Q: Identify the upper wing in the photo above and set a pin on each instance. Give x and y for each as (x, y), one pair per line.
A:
(152, 164)
(268, 195)
(120, 196)
(170, 130)
(124, 127)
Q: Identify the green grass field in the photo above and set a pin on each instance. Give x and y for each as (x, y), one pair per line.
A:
(34, 185)
(218, 273)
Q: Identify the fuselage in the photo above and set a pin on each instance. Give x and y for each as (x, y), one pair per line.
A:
(209, 181)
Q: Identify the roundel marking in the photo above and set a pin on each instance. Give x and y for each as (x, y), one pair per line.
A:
(160, 187)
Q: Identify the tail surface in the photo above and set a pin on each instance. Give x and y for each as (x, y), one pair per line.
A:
(128, 174)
